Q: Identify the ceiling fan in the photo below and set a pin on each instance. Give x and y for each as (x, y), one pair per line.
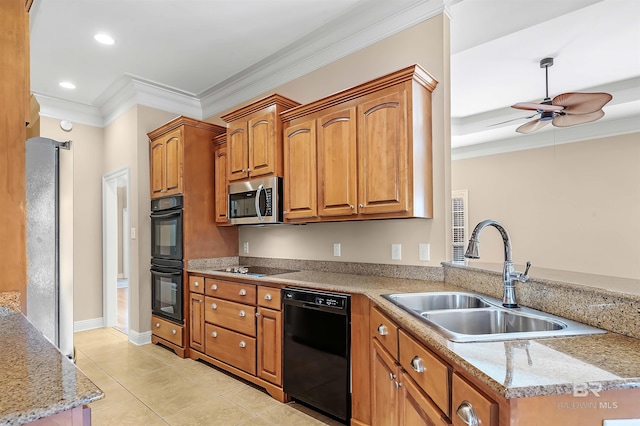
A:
(567, 109)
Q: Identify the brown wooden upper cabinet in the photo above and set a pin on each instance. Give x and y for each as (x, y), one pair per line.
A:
(179, 142)
(254, 138)
(363, 153)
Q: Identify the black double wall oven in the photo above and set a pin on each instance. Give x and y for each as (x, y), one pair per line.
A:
(166, 258)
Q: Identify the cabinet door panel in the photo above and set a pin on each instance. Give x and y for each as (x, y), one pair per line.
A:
(382, 153)
(173, 165)
(157, 168)
(337, 164)
(270, 345)
(300, 178)
(384, 395)
(196, 326)
(237, 146)
(221, 187)
(262, 145)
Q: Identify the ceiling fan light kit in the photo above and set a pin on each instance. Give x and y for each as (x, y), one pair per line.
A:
(565, 110)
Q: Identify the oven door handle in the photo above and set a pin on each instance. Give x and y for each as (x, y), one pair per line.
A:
(166, 274)
(164, 215)
(258, 212)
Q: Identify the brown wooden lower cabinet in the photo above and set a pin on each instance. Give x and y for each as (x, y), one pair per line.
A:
(168, 334)
(270, 345)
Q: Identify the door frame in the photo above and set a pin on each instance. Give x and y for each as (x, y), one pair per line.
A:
(110, 244)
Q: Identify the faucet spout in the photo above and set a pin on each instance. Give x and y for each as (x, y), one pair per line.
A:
(509, 275)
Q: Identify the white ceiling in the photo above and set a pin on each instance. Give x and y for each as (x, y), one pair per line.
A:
(200, 57)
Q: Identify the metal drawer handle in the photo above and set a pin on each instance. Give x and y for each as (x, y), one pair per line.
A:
(173, 331)
(242, 344)
(382, 330)
(242, 314)
(214, 306)
(157, 325)
(214, 334)
(360, 205)
(468, 415)
(196, 283)
(397, 384)
(351, 206)
(243, 292)
(392, 376)
(417, 365)
(268, 297)
(214, 287)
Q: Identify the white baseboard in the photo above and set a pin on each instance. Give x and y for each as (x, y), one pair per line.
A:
(139, 338)
(89, 324)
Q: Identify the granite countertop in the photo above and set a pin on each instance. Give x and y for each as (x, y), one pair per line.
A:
(604, 361)
(37, 380)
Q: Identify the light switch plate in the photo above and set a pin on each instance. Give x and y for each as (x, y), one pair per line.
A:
(396, 251)
(424, 252)
(245, 246)
(336, 249)
(133, 233)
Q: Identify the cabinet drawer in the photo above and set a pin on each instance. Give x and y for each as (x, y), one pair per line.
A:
(269, 297)
(231, 347)
(167, 330)
(468, 401)
(235, 316)
(196, 284)
(429, 372)
(385, 330)
(238, 292)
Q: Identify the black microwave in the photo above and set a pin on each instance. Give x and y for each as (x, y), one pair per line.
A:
(256, 202)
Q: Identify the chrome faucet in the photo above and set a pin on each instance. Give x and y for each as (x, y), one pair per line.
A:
(509, 275)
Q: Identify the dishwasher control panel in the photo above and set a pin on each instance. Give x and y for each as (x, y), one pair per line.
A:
(316, 297)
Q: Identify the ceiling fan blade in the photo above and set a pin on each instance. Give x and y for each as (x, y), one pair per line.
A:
(532, 126)
(582, 103)
(513, 119)
(537, 107)
(575, 119)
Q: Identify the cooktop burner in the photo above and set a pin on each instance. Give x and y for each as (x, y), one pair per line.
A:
(256, 271)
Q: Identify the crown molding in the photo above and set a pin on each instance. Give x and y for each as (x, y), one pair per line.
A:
(65, 110)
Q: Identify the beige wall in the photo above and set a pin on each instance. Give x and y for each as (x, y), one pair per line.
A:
(371, 241)
(81, 199)
(573, 207)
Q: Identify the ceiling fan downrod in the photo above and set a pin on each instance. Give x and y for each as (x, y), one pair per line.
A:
(546, 63)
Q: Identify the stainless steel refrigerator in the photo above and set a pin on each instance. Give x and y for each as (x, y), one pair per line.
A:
(49, 299)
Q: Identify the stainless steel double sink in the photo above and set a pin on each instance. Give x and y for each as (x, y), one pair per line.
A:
(470, 317)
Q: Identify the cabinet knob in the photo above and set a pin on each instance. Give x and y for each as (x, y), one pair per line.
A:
(397, 384)
(257, 314)
(360, 205)
(242, 314)
(268, 297)
(242, 344)
(214, 306)
(392, 376)
(214, 287)
(382, 330)
(157, 325)
(242, 292)
(196, 284)
(351, 206)
(214, 334)
(173, 331)
(417, 365)
(468, 414)
(285, 212)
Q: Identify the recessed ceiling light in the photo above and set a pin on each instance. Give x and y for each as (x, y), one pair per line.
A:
(67, 85)
(104, 38)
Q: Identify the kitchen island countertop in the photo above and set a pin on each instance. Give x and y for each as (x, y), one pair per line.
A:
(37, 380)
(557, 365)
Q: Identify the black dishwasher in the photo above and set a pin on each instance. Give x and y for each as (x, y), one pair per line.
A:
(317, 350)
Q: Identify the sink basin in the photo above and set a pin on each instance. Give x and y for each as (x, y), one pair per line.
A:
(470, 317)
(421, 302)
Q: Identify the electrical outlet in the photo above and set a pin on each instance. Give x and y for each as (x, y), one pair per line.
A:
(133, 233)
(424, 252)
(396, 251)
(245, 246)
(336, 249)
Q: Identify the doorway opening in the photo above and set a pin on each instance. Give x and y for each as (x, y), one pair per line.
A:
(116, 249)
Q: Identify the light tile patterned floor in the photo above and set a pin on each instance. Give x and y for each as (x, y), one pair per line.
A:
(149, 385)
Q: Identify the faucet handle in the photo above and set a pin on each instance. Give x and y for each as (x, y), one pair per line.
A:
(526, 271)
(524, 277)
